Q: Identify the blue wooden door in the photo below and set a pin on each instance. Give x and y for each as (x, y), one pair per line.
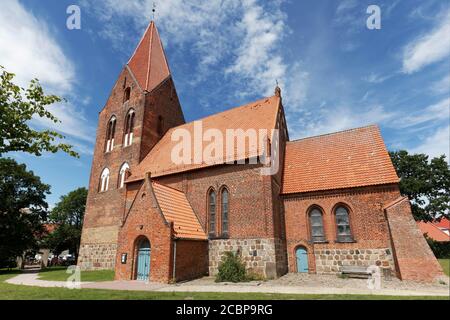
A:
(143, 263)
(302, 260)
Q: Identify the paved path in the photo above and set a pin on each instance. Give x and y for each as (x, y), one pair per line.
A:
(31, 279)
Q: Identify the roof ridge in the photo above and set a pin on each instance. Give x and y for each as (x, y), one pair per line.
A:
(334, 133)
(221, 112)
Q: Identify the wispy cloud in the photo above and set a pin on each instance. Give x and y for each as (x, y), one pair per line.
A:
(436, 144)
(31, 51)
(429, 48)
(441, 86)
(376, 78)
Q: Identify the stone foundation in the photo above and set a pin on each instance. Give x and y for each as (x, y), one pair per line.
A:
(331, 260)
(96, 256)
(259, 255)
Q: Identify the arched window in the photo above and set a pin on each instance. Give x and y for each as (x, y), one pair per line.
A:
(224, 203)
(122, 174)
(129, 126)
(344, 233)
(111, 130)
(104, 180)
(126, 94)
(316, 225)
(212, 212)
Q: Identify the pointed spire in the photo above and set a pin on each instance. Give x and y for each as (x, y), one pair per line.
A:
(148, 62)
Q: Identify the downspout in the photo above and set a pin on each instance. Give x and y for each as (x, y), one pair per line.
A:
(174, 260)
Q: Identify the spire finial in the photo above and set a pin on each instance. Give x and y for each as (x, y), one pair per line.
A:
(153, 11)
(277, 90)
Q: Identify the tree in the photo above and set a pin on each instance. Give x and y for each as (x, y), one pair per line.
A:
(68, 216)
(426, 183)
(22, 210)
(17, 107)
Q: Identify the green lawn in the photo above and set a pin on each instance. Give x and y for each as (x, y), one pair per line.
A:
(19, 292)
(59, 274)
(445, 263)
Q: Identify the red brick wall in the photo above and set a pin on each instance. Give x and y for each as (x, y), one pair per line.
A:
(368, 223)
(250, 209)
(191, 259)
(414, 258)
(145, 220)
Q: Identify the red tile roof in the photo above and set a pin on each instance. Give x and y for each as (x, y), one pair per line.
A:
(257, 115)
(444, 223)
(148, 63)
(345, 159)
(176, 208)
(433, 231)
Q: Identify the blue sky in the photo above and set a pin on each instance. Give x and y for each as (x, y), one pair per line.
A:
(334, 72)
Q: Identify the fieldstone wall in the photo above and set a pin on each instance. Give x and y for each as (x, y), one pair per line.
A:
(331, 260)
(98, 256)
(259, 255)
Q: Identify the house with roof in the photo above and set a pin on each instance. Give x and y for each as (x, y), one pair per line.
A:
(437, 230)
(312, 205)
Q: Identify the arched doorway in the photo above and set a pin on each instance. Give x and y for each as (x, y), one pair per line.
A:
(143, 260)
(302, 259)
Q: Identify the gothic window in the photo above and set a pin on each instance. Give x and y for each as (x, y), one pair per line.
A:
(104, 180)
(224, 203)
(129, 126)
(122, 174)
(126, 94)
(343, 224)
(316, 225)
(212, 212)
(110, 132)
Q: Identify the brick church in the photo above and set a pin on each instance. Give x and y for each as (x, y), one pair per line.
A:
(334, 201)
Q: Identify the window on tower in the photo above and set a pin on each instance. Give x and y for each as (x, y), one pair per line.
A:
(104, 180)
(129, 126)
(111, 130)
(122, 174)
(126, 94)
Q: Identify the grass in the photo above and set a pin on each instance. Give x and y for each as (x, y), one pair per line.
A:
(59, 274)
(20, 292)
(445, 263)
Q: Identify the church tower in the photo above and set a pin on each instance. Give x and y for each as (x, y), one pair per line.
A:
(142, 106)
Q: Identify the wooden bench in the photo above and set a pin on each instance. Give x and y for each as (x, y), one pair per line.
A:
(355, 272)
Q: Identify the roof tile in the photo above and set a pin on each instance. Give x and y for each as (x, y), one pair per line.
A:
(351, 158)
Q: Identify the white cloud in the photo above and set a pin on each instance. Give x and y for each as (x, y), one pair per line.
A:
(429, 48)
(435, 145)
(31, 51)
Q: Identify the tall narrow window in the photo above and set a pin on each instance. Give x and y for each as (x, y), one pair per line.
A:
(122, 174)
(212, 213)
(126, 94)
(224, 202)
(316, 225)
(344, 233)
(129, 126)
(104, 180)
(160, 127)
(111, 130)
